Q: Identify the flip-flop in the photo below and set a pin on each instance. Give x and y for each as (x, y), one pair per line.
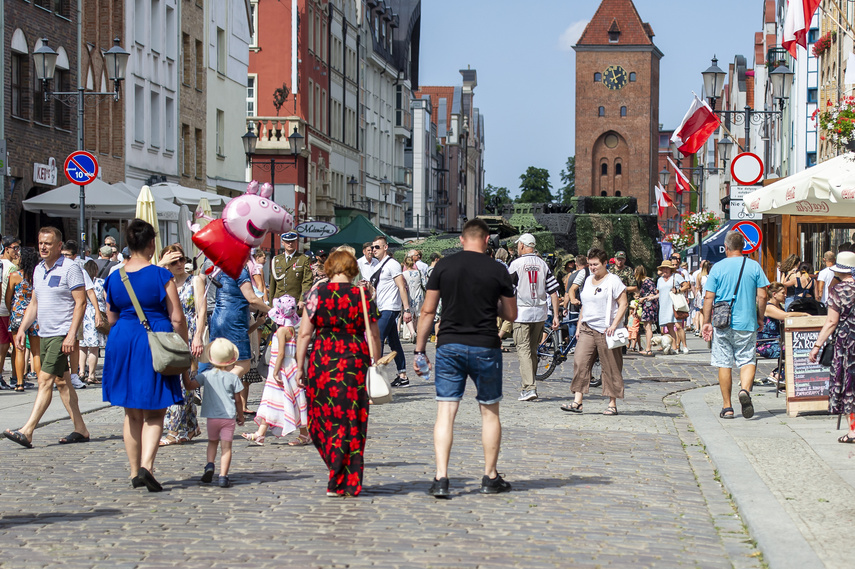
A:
(647, 354)
(18, 437)
(74, 437)
(747, 405)
(846, 439)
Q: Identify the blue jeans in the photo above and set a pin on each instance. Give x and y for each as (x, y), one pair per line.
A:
(388, 325)
(454, 362)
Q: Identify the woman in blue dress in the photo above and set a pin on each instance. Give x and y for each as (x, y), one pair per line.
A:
(129, 380)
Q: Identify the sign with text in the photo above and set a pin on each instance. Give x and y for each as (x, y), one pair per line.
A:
(739, 192)
(81, 168)
(316, 229)
(807, 382)
(45, 174)
(738, 213)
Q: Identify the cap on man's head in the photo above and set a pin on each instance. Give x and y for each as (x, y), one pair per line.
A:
(106, 251)
(290, 236)
(620, 255)
(527, 239)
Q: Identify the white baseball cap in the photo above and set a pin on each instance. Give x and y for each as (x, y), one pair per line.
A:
(527, 239)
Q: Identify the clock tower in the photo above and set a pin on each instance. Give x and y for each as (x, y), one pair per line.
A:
(617, 106)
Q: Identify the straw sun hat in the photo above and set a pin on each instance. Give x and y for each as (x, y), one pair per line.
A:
(666, 264)
(220, 352)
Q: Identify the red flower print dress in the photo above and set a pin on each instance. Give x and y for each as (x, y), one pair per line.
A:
(338, 398)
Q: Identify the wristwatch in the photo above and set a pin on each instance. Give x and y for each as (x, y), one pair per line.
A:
(407, 310)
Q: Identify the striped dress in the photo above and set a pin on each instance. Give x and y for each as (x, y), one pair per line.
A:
(283, 406)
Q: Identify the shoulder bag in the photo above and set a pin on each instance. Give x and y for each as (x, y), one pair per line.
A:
(374, 279)
(679, 303)
(377, 382)
(721, 311)
(826, 354)
(621, 336)
(170, 354)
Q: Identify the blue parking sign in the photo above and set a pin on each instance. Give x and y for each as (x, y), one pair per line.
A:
(81, 168)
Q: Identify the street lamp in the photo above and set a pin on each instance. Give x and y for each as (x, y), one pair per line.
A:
(782, 83)
(664, 177)
(724, 146)
(44, 62)
(354, 184)
(714, 78)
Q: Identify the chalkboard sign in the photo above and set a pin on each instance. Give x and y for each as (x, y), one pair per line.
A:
(807, 383)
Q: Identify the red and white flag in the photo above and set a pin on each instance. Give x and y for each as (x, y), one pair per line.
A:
(697, 126)
(663, 201)
(681, 182)
(797, 23)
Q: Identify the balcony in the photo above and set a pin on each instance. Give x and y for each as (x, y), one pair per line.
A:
(403, 177)
(273, 133)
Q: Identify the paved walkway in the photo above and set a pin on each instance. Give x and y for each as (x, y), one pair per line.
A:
(636, 490)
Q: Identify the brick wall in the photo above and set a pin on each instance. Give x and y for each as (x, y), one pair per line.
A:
(192, 97)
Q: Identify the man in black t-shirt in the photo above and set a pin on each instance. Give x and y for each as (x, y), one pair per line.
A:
(474, 290)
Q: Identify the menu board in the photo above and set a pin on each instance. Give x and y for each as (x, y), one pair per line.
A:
(809, 379)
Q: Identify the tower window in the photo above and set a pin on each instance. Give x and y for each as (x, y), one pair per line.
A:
(617, 194)
(632, 77)
(601, 112)
(604, 193)
(604, 169)
(623, 111)
(598, 77)
(618, 169)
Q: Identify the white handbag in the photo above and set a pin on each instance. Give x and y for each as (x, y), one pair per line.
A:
(377, 381)
(621, 336)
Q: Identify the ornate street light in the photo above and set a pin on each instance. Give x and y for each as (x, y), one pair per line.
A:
(250, 141)
(296, 141)
(664, 177)
(782, 83)
(724, 146)
(44, 60)
(385, 184)
(714, 78)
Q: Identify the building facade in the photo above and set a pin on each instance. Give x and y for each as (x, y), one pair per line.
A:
(192, 156)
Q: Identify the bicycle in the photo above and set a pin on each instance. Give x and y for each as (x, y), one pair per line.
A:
(554, 351)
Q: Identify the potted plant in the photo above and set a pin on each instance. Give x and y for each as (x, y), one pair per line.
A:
(700, 222)
(838, 122)
(821, 45)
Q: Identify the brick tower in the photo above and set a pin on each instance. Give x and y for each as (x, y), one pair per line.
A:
(617, 105)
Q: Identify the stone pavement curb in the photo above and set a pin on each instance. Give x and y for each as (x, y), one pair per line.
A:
(781, 542)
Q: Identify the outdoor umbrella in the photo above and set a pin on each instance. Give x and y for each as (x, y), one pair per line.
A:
(102, 202)
(147, 211)
(825, 189)
(166, 210)
(185, 236)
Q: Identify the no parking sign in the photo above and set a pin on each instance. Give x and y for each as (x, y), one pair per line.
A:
(752, 234)
(81, 168)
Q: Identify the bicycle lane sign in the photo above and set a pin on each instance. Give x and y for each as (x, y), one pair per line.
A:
(81, 168)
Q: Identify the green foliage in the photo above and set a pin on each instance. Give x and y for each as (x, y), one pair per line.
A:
(535, 186)
(612, 232)
(495, 197)
(568, 178)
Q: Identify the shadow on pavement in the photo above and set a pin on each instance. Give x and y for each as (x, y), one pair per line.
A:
(54, 517)
(236, 478)
(519, 485)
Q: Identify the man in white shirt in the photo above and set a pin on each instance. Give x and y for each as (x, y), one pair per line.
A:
(420, 265)
(826, 275)
(390, 295)
(367, 263)
(535, 286)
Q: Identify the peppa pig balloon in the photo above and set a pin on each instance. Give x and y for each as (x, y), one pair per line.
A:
(246, 220)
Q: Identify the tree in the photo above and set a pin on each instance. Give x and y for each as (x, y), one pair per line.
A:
(495, 198)
(568, 178)
(535, 186)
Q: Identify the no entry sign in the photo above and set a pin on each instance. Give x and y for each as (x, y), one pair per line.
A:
(81, 168)
(746, 169)
(752, 234)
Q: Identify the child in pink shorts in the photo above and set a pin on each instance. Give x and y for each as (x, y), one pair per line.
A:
(218, 404)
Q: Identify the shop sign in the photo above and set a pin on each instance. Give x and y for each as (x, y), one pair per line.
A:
(45, 174)
(316, 229)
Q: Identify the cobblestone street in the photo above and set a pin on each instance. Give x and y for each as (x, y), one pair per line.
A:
(589, 491)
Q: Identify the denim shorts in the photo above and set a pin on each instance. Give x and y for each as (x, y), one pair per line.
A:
(733, 348)
(454, 362)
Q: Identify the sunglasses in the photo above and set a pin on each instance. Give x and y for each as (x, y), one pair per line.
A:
(180, 261)
(376, 246)
(599, 289)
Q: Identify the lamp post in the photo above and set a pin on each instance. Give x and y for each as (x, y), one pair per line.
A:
(354, 184)
(115, 62)
(272, 165)
(385, 185)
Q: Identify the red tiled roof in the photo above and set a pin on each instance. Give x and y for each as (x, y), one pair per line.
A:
(435, 94)
(632, 30)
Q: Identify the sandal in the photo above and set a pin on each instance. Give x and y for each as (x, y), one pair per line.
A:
(647, 354)
(724, 413)
(254, 439)
(747, 405)
(846, 439)
(18, 437)
(74, 437)
(610, 411)
(20, 388)
(572, 408)
(301, 441)
(170, 440)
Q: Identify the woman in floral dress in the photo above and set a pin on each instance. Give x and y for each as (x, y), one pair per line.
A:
(93, 340)
(841, 323)
(180, 422)
(338, 365)
(19, 293)
(649, 305)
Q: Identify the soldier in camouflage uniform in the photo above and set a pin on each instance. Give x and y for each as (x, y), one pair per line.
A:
(292, 272)
(625, 273)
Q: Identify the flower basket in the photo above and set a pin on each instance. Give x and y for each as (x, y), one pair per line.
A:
(680, 240)
(837, 122)
(823, 43)
(700, 222)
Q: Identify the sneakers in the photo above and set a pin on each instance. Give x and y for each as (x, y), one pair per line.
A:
(439, 488)
(208, 476)
(224, 482)
(3, 385)
(400, 382)
(494, 485)
(76, 383)
(596, 381)
(529, 395)
(684, 350)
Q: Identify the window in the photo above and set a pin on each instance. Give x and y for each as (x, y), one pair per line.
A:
(200, 66)
(187, 59)
(171, 34)
(186, 150)
(813, 35)
(155, 119)
(623, 111)
(139, 113)
(311, 19)
(221, 131)
(199, 142)
(632, 77)
(169, 124)
(17, 85)
(140, 18)
(46, 4)
(253, 14)
(598, 77)
(811, 159)
(323, 50)
(812, 95)
(311, 95)
(250, 95)
(61, 112)
(62, 8)
(617, 194)
(156, 26)
(604, 169)
(601, 112)
(618, 169)
(221, 51)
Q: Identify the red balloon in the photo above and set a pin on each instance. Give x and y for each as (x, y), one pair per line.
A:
(222, 248)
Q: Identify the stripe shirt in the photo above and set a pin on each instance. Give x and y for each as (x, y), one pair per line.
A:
(52, 289)
(534, 282)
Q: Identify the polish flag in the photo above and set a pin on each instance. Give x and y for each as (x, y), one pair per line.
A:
(697, 126)
(797, 23)
(681, 182)
(663, 200)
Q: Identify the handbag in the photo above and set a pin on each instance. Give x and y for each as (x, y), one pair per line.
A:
(104, 328)
(722, 310)
(680, 305)
(826, 355)
(170, 354)
(377, 382)
(621, 336)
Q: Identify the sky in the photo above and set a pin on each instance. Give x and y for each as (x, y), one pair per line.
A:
(526, 66)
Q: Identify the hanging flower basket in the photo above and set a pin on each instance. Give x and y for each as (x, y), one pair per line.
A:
(700, 222)
(837, 122)
(680, 240)
(824, 43)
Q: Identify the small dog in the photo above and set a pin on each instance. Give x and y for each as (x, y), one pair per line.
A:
(664, 342)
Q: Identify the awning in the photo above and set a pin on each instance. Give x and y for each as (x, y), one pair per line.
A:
(103, 201)
(713, 245)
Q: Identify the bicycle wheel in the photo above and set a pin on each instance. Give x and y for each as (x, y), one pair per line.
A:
(547, 356)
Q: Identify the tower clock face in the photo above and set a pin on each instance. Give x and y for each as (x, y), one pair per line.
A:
(615, 77)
